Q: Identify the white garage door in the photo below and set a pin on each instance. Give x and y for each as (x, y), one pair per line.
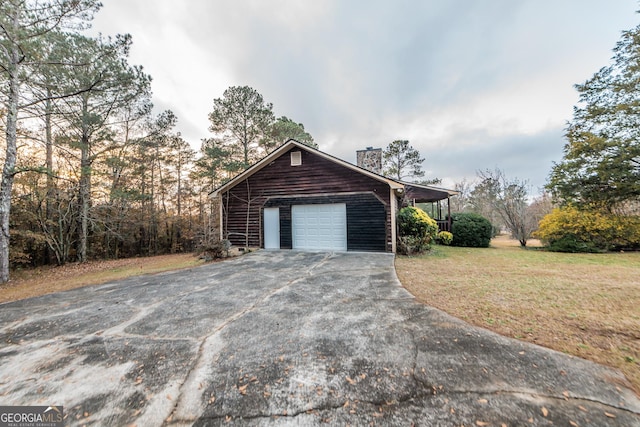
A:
(322, 227)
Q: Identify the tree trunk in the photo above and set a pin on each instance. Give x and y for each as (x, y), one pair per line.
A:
(49, 154)
(177, 232)
(49, 165)
(153, 221)
(85, 189)
(11, 133)
(84, 193)
(245, 145)
(7, 179)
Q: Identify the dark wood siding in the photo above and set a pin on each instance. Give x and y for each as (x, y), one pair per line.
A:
(316, 177)
(286, 237)
(366, 224)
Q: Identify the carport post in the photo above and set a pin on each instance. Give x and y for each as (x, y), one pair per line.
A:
(394, 207)
(220, 207)
(449, 213)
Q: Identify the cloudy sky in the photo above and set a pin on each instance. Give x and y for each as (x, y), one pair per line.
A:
(471, 84)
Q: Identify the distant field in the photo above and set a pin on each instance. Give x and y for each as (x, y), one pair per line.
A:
(587, 305)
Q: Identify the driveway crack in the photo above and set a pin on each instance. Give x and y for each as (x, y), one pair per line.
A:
(315, 410)
(190, 399)
(540, 396)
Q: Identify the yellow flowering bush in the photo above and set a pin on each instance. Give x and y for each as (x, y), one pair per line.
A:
(444, 238)
(416, 230)
(569, 229)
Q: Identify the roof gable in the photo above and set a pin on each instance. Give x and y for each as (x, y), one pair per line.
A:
(283, 149)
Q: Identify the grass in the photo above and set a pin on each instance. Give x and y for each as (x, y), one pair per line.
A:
(585, 305)
(44, 280)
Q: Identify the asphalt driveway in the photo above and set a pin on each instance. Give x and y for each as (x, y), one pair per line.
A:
(287, 338)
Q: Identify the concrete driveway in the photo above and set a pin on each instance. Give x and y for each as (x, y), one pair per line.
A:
(287, 338)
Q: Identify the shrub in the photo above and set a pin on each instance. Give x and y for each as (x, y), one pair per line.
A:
(215, 250)
(416, 230)
(471, 230)
(569, 229)
(571, 243)
(444, 238)
(411, 245)
(414, 221)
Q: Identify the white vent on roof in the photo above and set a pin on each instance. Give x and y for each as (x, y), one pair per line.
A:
(296, 158)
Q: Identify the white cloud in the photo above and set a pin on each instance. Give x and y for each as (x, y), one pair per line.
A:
(471, 84)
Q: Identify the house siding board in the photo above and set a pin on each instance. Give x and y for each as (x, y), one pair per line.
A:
(315, 176)
(236, 223)
(286, 237)
(366, 225)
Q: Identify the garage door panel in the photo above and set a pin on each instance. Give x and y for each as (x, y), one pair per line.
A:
(319, 226)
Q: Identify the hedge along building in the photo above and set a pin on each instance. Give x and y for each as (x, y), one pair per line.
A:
(298, 197)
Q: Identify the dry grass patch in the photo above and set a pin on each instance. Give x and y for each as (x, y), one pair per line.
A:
(586, 305)
(45, 280)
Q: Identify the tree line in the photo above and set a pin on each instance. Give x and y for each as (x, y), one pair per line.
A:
(89, 171)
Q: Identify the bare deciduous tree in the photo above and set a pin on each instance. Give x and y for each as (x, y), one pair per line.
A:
(509, 198)
(460, 203)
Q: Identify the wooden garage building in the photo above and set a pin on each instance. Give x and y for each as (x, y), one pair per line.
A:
(298, 197)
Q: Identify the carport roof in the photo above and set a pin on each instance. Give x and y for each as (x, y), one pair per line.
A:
(426, 193)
